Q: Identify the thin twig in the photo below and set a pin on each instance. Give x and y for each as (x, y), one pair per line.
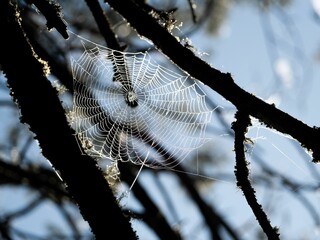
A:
(192, 8)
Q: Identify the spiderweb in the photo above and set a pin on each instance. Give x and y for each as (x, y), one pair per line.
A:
(126, 107)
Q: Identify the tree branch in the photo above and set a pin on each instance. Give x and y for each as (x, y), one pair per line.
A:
(42, 180)
(31, 90)
(242, 174)
(213, 219)
(220, 82)
(153, 215)
(103, 24)
(52, 12)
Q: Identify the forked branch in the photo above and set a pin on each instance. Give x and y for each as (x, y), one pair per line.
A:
(242, 174)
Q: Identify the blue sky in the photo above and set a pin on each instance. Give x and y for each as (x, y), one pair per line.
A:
(245, 52)
(286, 74)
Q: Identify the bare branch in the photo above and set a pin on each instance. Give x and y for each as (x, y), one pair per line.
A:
(52, 11)
(220, 82)
(83, 178)
(242, 174)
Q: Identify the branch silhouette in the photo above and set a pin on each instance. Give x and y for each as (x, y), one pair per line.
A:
(222, 83)
(30, 86)
(31, 90)
(242, 174)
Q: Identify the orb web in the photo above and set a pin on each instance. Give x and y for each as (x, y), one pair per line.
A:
(126, 107)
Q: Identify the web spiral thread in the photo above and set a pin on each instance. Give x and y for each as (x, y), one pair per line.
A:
(129, 108)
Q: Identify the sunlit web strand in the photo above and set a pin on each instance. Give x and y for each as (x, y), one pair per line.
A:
(129, 108)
